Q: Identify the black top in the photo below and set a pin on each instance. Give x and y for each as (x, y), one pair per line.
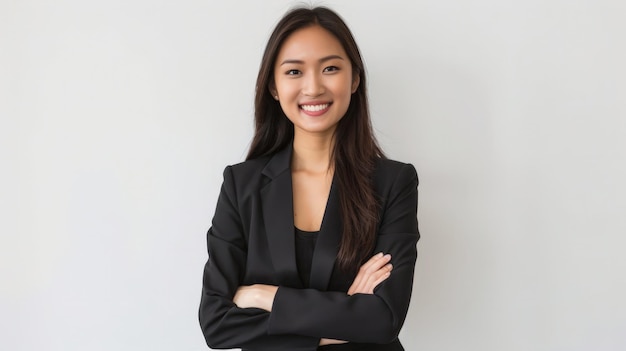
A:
(305, 245)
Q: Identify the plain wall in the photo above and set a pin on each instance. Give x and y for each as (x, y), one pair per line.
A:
(118, 117)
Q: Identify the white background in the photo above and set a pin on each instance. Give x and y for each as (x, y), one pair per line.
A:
(118, 117)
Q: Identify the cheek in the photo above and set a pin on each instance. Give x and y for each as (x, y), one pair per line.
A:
(286, 89)
(343, 87)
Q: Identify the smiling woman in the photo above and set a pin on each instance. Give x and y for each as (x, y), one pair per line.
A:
(306, 229)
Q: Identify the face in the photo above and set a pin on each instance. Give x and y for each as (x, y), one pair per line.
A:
(313, 80)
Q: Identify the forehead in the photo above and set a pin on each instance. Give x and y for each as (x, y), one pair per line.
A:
(310, 43)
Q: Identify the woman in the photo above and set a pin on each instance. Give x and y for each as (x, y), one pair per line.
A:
(306, 229)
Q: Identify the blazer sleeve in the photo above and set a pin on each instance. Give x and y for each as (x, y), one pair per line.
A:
(369, 318)
(223, 324)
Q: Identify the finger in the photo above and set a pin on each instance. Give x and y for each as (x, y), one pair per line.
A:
(373, 267)
(356, 285)
(371, 261)
(378, 264)
(381, 279)
(359, 279)
(366, 280)
(374, 264)
(374, 279)
(374, 275)
(352, 288)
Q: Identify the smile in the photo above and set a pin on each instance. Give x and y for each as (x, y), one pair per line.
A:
(314, 108)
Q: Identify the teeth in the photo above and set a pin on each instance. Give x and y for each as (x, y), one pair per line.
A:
(315, 108)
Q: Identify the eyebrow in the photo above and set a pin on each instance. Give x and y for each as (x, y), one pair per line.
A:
(323, 59)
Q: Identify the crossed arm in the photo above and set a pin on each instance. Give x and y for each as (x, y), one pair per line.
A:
(227, 323)
(373, 272)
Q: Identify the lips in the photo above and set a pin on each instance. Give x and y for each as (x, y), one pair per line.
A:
(315, 109)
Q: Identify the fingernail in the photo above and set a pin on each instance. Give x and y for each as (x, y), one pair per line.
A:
(380, 254)
(387, 256)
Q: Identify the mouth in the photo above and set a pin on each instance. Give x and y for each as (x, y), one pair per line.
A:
(315, 109)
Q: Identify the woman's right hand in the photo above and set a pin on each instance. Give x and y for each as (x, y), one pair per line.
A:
(371, 273)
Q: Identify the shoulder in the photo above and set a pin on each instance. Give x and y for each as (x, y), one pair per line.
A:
(248, 169)
(245, 177)
(392, 177)
(389, 171)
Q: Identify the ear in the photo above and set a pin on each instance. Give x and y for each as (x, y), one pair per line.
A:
(272, 89)
(356, 80)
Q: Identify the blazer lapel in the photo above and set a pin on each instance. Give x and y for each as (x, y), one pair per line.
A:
(277, 202)
(328, 242)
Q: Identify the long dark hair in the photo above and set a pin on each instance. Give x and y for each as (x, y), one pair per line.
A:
(356, 149)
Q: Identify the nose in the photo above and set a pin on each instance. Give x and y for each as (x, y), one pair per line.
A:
(313, 85)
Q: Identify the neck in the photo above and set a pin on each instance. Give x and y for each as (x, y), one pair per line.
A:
(311, 153)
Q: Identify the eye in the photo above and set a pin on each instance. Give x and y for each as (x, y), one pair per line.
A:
(331, 69)
(292, 72)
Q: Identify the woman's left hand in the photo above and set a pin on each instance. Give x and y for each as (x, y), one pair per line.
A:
(255, 296)
(373, 272)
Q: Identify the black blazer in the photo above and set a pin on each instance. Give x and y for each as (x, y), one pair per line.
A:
(251, 241)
